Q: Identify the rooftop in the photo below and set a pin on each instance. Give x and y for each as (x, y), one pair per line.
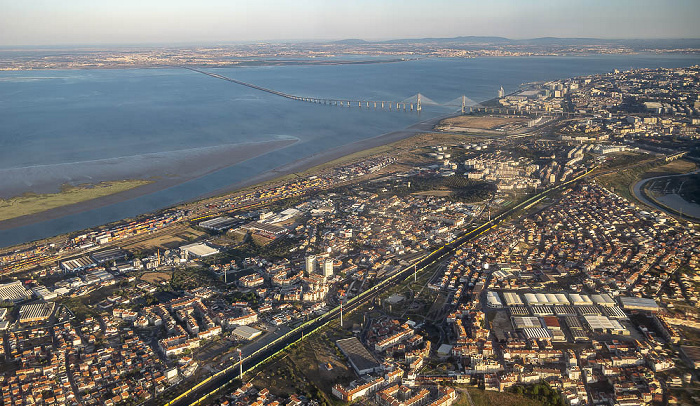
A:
(358, 355)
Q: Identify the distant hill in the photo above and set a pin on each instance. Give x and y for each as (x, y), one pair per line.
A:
(467, 39)
(668, 43)
(563, 41)
(351, 41)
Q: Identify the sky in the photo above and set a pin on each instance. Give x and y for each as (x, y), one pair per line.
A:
(73, 22)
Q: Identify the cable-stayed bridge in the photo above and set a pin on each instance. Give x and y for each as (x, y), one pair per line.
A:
(413, 103)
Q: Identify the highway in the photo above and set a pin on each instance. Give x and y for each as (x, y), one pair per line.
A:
(211, 385)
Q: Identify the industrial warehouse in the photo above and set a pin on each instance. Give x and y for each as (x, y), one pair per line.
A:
(36, 312)
(542, 315)
(361, 360)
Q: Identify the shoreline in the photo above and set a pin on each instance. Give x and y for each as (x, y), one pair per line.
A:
(239, 64)
(301, 165)
(311, 162)
(640, 193)
(236, 154)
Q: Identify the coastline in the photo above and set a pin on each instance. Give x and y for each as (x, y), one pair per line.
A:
(302, 165)
(188, 166)
(327, 157)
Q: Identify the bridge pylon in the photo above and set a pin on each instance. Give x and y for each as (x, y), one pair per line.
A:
(418, 104)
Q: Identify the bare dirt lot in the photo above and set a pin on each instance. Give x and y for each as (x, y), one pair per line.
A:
(166, 241)
(438, 193)
(481, 122)
(156, 277)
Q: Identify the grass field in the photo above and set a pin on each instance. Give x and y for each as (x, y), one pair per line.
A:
(671, 168)
(31, 203)
(623, 180)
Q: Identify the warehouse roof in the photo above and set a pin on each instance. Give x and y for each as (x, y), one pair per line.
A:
(361, 360)
(199, 249)
(109, 255)
(246, 332)
(525, 322)
(220, 223)
(638, 303)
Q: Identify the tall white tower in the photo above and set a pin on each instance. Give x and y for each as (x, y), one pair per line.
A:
(311, 264)
(501, 92)
(328, 268)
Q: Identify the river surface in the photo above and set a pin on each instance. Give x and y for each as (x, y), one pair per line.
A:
(671, 200)
(53, 119)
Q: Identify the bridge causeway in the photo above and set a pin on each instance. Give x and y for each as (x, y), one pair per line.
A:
(404, 105)
(413, 103)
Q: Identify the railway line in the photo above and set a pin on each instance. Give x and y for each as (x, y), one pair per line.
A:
(211, 386)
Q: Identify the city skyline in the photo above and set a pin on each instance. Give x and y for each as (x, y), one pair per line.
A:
(80, 22)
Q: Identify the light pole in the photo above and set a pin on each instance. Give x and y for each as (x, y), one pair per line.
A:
(240, 364)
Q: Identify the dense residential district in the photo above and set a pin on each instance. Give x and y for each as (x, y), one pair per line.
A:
(584, 289)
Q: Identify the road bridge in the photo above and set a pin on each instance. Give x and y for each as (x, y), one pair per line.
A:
(414, 103)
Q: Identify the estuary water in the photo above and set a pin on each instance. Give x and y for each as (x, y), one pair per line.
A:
(53, 120)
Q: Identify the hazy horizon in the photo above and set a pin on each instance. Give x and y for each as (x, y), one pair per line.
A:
(159, 22)
(303, 41)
